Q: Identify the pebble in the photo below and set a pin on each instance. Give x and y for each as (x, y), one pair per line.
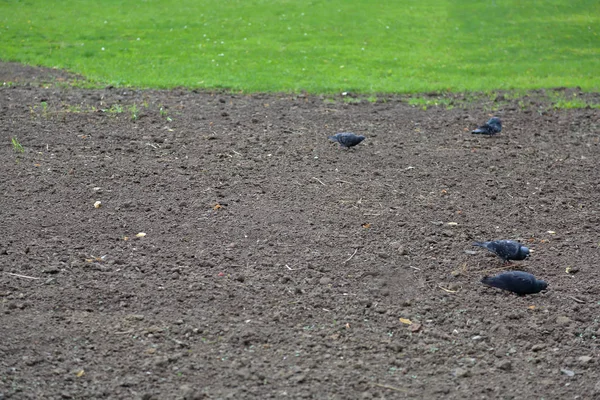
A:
(161, 361)
(461, 373)
(584, 359)
(563, 320)
(325, 280)
(567, 372)
(189, 393)
(538, 347)
(504, 365)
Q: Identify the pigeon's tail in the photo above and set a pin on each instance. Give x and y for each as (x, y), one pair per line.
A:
(479, 244)
(332, 138)
(478, 130)
(486, 280)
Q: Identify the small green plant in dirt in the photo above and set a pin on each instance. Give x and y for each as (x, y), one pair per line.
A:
(17, 147)
(135, 112)
(372, 99)
(424, 102)
(163, 113)
(575, 103)
(44, 106)
(564, 101)
(115, 109)
(351, 100)
(75, 109)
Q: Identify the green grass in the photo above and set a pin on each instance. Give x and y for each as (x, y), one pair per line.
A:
(317, 46)
(17, 147)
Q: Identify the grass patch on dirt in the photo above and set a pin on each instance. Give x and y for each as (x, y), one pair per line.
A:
(319, 47)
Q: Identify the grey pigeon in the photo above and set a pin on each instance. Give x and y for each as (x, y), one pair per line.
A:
(506, 249)
(346, 139)
(518, 282)
(493, 126)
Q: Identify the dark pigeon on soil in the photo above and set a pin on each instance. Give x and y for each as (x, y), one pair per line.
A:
(347, 139)
(493, 126)
(518, 282)
(506, 249)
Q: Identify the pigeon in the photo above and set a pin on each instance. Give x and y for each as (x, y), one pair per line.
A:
(506, 249)
(346, 139)
(493, 126)
(518, 282)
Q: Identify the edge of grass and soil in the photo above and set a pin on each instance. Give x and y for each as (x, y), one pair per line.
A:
(539, 100)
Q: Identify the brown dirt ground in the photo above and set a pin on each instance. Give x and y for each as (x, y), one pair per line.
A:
(244, 285)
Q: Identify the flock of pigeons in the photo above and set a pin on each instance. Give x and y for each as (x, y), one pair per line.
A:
(518, 282)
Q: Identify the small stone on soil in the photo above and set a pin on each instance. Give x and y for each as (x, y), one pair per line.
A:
(567, 372)
(505, 365)
(325, 280)
(584, 359)
(461, 373)
(538, 347)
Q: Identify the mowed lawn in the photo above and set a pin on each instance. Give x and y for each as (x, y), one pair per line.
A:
(316, 46)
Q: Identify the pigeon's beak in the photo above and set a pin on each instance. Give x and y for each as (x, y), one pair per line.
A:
(529, 254)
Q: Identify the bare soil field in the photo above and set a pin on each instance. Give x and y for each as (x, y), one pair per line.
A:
(193, 245)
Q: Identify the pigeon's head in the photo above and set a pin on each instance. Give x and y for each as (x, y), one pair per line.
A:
(524, 252)
(541, 285)
(495, 122)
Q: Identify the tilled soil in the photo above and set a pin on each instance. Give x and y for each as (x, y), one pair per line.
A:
(276, 264)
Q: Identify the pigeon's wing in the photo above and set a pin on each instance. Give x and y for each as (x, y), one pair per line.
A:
(481, 129)
(489, 246)
(345, 139)
(491, 127)
(495, 125)
(484, 129)
(507, 281)
(350, 139)
(495, 281)
(518, 282)
(521, 282)
(495, 247)
(505, 249)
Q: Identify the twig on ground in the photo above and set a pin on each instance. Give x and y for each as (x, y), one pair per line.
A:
(318, 180)
(397, 389)
(410, 266)
(350, 258)
(576, 299)
(447, 290)
(124, 332)
(22, 276)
